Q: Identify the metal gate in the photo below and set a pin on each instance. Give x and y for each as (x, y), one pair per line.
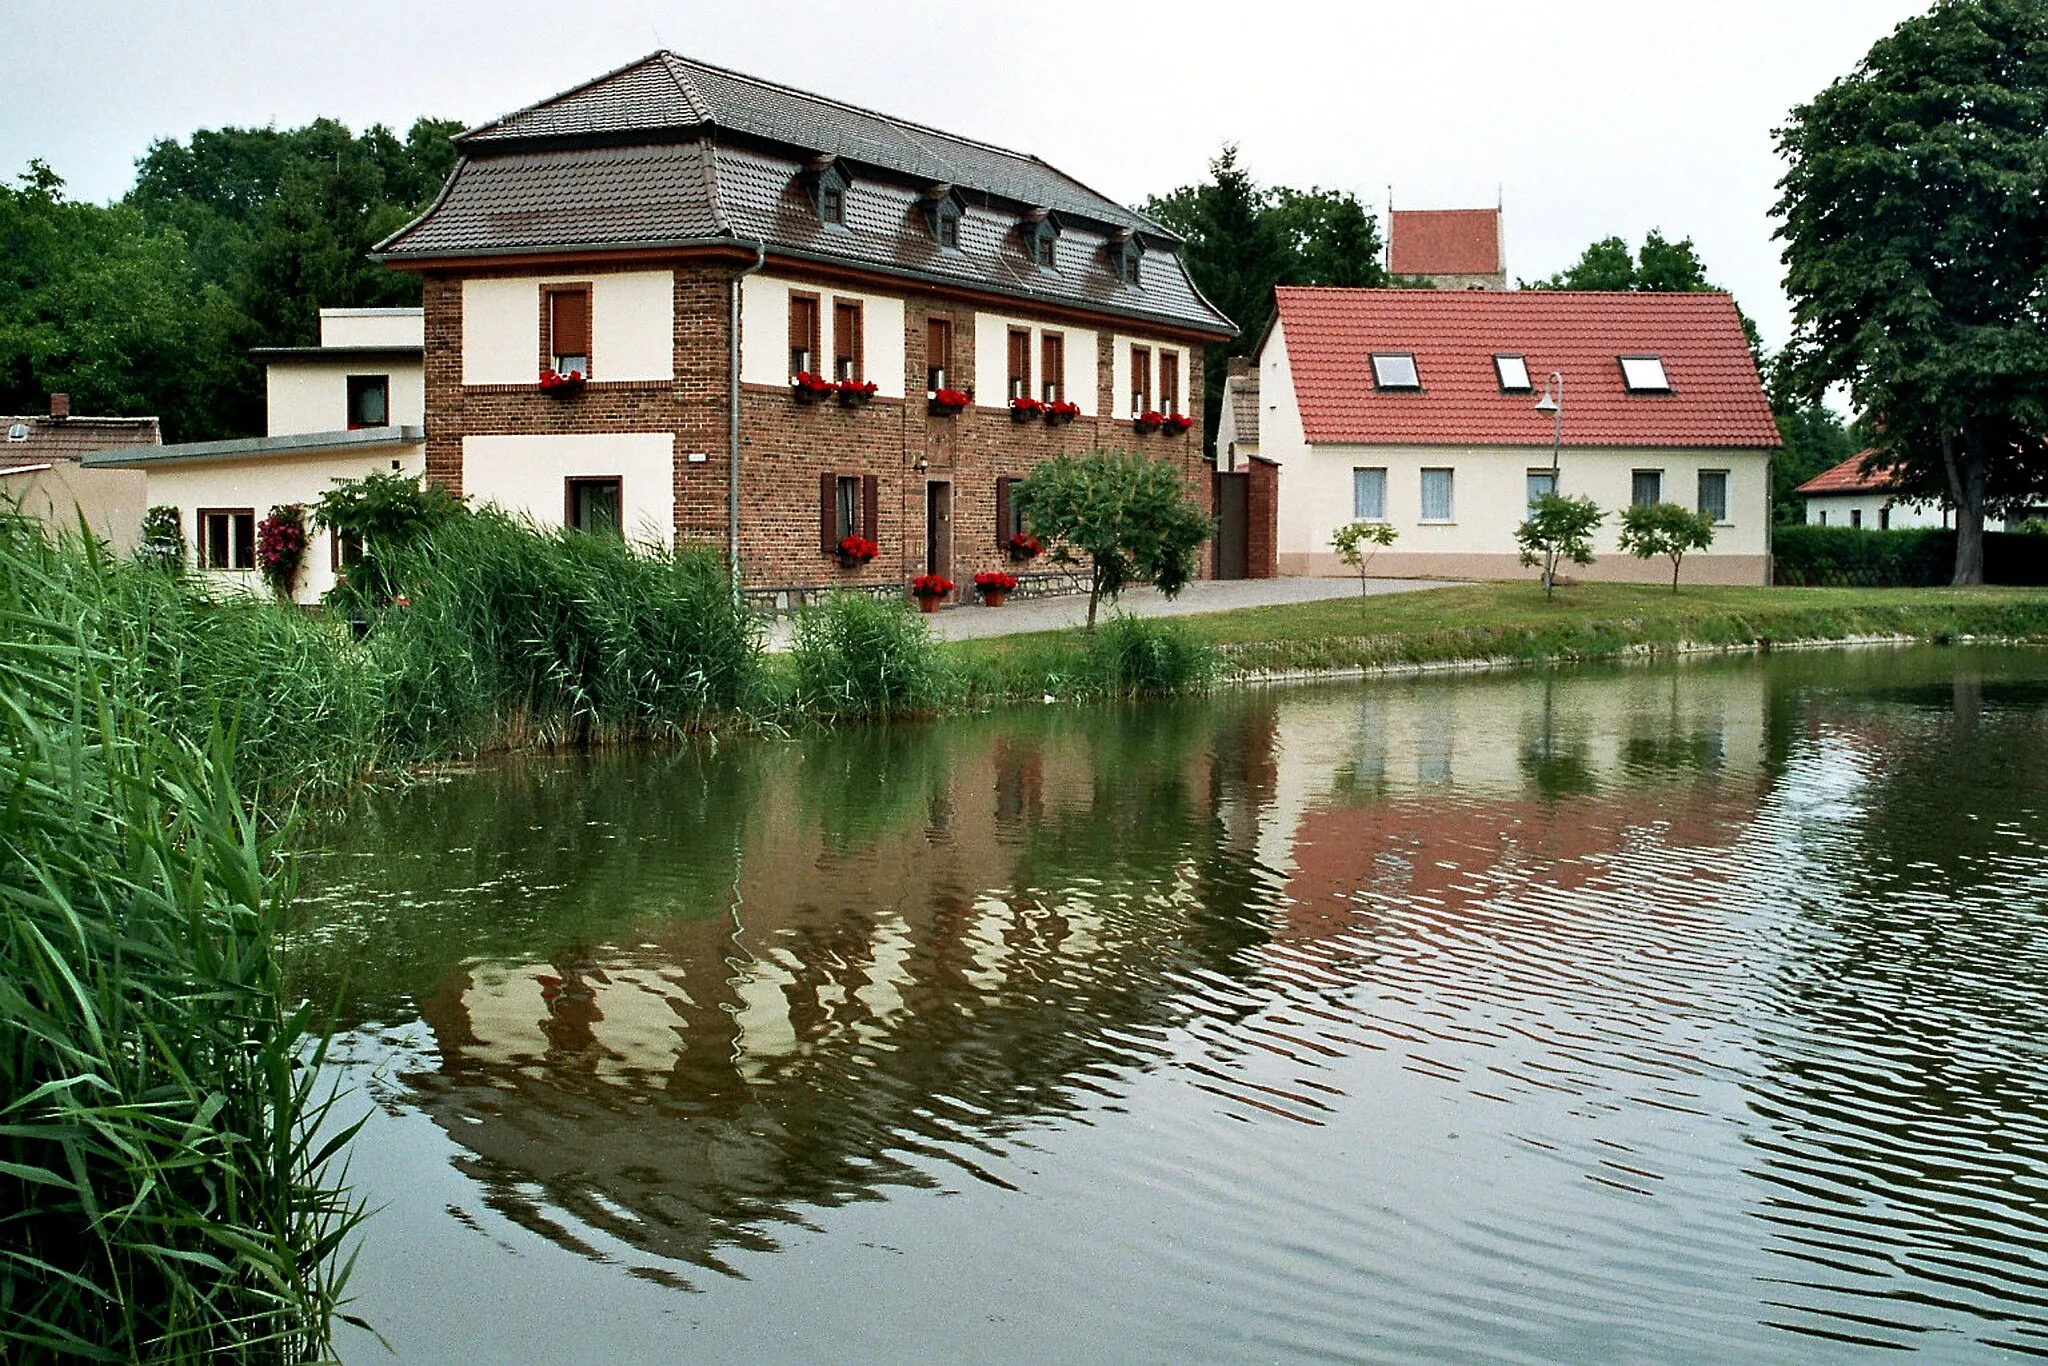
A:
(1233, 523)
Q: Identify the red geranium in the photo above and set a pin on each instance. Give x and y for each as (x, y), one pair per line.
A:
(858, 549)
(1180, 422)
(995, 581)
(1151, 420)
(1025, 409)
(931, 586)
(1062, 412)
(1024, 546)
(812, 386)
(554, 380)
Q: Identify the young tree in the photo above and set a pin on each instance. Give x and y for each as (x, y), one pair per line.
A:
(1916, 240)
(1357, 542)
(1130, 515)
(1652, 529)
(1558, 529)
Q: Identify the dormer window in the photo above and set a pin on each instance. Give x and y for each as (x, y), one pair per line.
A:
(827, 186)
(1124, 255)
(1040, 233)
(1395, 370)
(1513, 373)
(942, 214)
(1644, 374)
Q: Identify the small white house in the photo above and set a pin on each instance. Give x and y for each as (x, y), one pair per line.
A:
(1847, 495)
(351, 406)
(1418, 408)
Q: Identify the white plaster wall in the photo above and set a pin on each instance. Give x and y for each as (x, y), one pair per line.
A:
(1280, 437)
(632, 327)
(1490, 494)
(992, 361)
(112, 501)
(263, 483)
(373, 327)
(525, 475)
(1120, 376)
(1905, 516)
(312, 396)
(764, 332)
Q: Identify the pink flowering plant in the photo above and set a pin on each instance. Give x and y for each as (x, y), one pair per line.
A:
(281, 546)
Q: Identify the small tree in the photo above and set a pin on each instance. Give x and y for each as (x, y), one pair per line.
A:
(162, 544)
(1559, 528)
(1129, 514)
(1357, 542)
(1652, 529)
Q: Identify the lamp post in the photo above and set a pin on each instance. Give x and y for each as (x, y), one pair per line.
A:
(1552, 403)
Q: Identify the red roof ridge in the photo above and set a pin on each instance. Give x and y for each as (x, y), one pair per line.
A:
(1850, 477)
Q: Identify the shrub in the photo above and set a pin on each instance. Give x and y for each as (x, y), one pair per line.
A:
(858, 656)
(386, 514)
(162, 544)
(1839, 556)
(1136, 657)
(1652, 529)
(1357, 542)
(281, 547)
(1130, 515)
(1558, 528)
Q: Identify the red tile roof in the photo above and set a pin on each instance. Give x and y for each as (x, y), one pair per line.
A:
(68, 438)
(1444, 242)
(1848, 477)
(1716, 398)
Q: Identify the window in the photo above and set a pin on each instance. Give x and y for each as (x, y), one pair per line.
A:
(592, 505)
(1823, 518)
(846, 339)
(1646, 487)
(847, 506)
(942, 213)
(1020, 362)
(1052, 367)
(1141, 380)
(1124, 255)
(1436, 496)
(831, 204)
(827, 189)
(1039, 235)
(1395, 370)
(1714, 494)
(345, 549)
(1169, 383)
(1369, 495)
(18, 432)
(1884, 518)
(938, 353)
(569, 329)
(227, 538)
(1855, 517)
(369, 401)
(1009, 517)
(1513, 372)
(803, 334)
(1540, 482)
(1644, 375)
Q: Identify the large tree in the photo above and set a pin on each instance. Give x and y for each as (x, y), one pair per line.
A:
(1916, 252)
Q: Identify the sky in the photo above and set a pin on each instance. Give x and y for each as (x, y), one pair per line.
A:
(1584, 118)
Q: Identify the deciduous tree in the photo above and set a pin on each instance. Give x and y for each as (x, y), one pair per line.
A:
(1652, 529)
(1129, 516)
(1558, 529)
(1357, 542)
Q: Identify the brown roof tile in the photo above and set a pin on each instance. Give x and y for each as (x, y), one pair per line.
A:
(68, 438)
(1849, 477)
(1444, 242)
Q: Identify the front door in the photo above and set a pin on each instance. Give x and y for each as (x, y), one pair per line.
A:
(1233, 522)
(938, 529)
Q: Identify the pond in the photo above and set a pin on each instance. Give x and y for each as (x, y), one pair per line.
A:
(1677, 1013)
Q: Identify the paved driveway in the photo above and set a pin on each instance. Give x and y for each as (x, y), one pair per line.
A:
(1021, 616)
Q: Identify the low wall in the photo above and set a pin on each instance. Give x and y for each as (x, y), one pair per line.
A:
(1393, 564)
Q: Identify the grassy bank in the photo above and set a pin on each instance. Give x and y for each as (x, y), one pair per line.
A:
(1513, 622)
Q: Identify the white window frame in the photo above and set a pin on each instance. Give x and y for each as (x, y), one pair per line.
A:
(1358, 512)
(1726, 518)
(1450, 516)
(1500, 372)
(1644, 374)
(1379, 376)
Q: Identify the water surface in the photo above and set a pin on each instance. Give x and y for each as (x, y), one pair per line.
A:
(1692, 1013)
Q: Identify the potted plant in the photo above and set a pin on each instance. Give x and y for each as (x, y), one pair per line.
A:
(947, 402)
(1179, 423)
(993, 585)
(855, 551)
(1058, 414)
(1026, 409)
(1023, 546)
(1148, 422)
(810, 388)
(930, 590)
(554, 382)
(854, 393)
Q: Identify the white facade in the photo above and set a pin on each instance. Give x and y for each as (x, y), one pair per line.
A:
(1875, 511)
(311, 395)
(528, 477)
(392, 327)
(1124, 377)
(764, 333)
(992, 361)
(632, 327)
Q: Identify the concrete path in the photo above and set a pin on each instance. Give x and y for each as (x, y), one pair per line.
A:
(1021, 616)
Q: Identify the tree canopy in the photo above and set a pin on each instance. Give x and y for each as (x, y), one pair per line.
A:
(1661, 264)
(1130, 516)
(1916, 245)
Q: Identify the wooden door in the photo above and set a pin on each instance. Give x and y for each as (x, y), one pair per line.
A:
(938, 535)
(1233, 523)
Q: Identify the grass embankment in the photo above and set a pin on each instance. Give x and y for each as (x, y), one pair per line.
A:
(1513, 622)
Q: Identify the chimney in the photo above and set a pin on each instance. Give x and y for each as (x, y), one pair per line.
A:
(60, 405)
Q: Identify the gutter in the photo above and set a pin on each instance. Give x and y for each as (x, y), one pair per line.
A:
(732, 475)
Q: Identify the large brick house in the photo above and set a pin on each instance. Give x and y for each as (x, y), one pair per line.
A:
(690, 242)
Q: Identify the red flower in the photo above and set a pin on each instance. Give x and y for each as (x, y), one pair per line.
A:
(854, 386)
(555, 379)
(951, 398)
(1024, 546)
(1025, 407)
(858, 548)
(812, 384)
(1180, 422)
(1063, 410)
(994, 581)
(931, 586)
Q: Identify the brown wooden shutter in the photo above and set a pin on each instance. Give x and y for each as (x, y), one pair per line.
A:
(569, 322)
(1003, 511)
(847, 339)
(828, 513)
(1169, 380)
(870, 506)
(803, 332)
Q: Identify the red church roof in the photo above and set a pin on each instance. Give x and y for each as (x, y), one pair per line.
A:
(1444, 242)
(1848, 477)
(1715, 398)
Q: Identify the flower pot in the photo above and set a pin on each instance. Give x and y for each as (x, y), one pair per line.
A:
(927, 604)
(1020, 416)
(992, 599)
(853, 398)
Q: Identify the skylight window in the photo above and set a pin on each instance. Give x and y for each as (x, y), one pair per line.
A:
(1644, 374)
(1514, 374)
(1395, 370)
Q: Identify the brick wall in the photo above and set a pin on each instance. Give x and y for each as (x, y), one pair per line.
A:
(1262, 520)
(785, 447)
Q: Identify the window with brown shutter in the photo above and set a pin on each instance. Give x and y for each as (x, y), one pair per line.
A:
(1141, 380)
(1009, 517)
(1020, 363)
(1169, 382)
(569, 328)
(803, 335)
(1052, 369)
(848, 505)
(938, 353)
(846, 340)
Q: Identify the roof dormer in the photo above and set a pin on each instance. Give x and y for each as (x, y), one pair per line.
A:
(1126, 250)
(943, 210)
(826, 185)
(1040, 231)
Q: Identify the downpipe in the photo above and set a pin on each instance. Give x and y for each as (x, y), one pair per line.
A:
(732, 471)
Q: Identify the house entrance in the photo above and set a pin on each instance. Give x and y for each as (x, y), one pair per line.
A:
(1233, 525)
(938, 529)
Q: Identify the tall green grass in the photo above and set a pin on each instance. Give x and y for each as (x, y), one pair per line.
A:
(162, 1192)
(859, 657)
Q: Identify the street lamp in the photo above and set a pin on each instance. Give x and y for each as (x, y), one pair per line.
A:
(1552, 403)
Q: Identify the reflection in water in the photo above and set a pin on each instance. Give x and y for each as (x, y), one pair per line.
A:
(1441, 1020)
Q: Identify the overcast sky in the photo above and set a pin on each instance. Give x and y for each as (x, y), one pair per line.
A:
(1586, 117)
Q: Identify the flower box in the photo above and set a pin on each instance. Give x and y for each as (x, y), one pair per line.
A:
(854, 393)
(810, 388)
(857, 550)
(559, 385)
(930, 590)
(1180, 424)
(947, 402)
(1026, 410)
(1023, 546)
(1148, 422)
(1059, 414)
(994, 585)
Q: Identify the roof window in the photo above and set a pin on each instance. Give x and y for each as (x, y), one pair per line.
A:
(1514, 374)
(1041, 230)
(826, 186)
(942, 214)
(18, 432)
(1644, 374)
(1125, 251)
(1395, 370)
